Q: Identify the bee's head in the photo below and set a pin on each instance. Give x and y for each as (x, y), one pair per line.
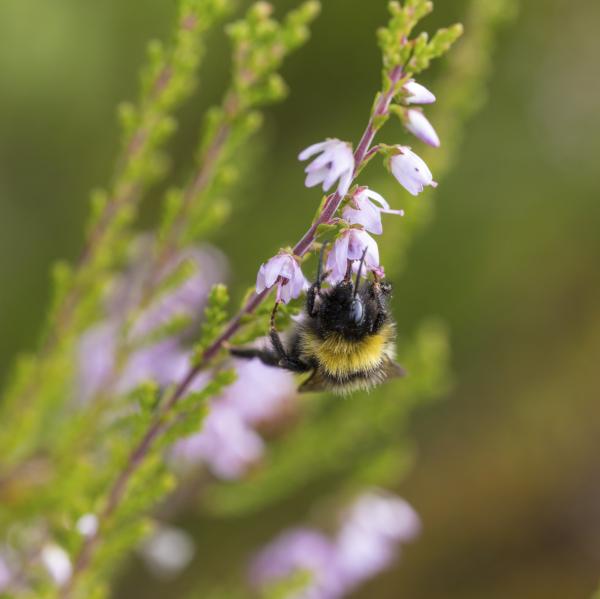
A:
(342, 311)
(348, 308)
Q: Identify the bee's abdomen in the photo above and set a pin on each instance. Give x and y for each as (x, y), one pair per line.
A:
(342, 361)
(357, 381)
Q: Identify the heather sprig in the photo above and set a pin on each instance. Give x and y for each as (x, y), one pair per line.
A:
(152, 396)
(168, 80)
(123, 406)
(392, 87)
(335, 160)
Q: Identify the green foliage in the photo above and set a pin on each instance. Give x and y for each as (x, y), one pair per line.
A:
(260, 44)
(215, 315)
(167, 81)
(413, 56)
(392, 39)
(424, 52)
(288, 587)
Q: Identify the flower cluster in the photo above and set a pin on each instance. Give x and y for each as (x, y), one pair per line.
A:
(164, 360)
(366, 543)
(335, 160)
(229, 442)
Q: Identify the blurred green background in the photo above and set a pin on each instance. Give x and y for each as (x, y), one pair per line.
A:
(507, 479)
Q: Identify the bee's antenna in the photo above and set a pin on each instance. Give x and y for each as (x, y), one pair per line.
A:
(359, 273)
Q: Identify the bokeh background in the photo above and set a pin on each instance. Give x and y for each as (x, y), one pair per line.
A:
(507, 476)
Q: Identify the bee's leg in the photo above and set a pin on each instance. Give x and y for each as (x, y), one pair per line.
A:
(311, 298)
(284, 360)
(380, 290)
(264, 355)
(315, 289)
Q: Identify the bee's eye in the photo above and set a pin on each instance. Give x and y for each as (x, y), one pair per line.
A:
(356, 311)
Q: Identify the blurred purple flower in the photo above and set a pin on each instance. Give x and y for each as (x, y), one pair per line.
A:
(421, 128)
(226, 444)
(336, 162)
(410, 170)
(368, 541)
(299, 550)
(164, 362)
(283, 270)
(190, 297)
(362, 210)
(350, 245)
(5, 575)
(417, 93)
(260, 393)
(96, 360)
(373, 528)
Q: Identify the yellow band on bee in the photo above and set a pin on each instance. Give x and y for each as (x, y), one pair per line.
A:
(341, 357)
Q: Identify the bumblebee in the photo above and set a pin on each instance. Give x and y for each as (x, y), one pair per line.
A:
(345, 337)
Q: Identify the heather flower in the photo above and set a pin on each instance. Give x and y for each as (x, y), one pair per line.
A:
(299, 550)
(367, 542)
(226, 444)
(410, 170)
(95, 359)
(417, 93)
(363, 210)
(260, 393)
(335, 163)
(57, 563)
(87, 525)
(164, 362)
(5, 574)
(189, 298)
(421, 128)
(350, 246)
(168, 551)
(283, 270)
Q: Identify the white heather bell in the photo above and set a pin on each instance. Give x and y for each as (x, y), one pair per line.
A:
(410, 170)
(335, 163)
